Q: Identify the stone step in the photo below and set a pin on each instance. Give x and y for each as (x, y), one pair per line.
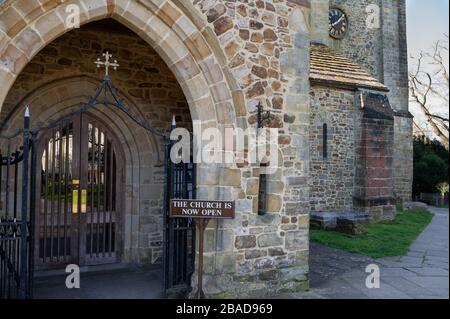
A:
(346, 222)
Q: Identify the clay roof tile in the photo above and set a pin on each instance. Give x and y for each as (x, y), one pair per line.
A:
(329, 66)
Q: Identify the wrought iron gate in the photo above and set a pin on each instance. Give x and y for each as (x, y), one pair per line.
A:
(17, 181)
(79, 202)
(179, 257)
(18, 172)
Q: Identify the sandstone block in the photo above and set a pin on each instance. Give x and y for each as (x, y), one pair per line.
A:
(245, 242)
(269, 240)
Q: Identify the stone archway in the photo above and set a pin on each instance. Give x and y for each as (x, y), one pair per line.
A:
(176, 31)
(141, 150)
(196, 53)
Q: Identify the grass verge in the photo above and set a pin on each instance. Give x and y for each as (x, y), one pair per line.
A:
(382, 239)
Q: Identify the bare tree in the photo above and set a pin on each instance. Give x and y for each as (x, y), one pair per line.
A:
(429, 89)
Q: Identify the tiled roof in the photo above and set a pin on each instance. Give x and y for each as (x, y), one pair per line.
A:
(331, 67)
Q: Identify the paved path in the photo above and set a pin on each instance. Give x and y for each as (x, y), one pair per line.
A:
(422, 273)
(128, 283)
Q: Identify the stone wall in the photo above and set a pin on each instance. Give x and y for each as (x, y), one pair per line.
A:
(403, 157)
(266, 44)
(320, 21)
(332, 178)
(361, 44)
(395, 69)
(374, 179)
(395, 53)
(357, 174)
(381, 50)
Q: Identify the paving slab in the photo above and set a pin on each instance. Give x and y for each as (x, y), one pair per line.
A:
(386, 291)
(412, 260)
(408, 287)
(430, 282)
(398, 272)
(429, 271)
(423, 273)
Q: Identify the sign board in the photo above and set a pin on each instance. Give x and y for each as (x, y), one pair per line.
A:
(188, 208)
(203, 211)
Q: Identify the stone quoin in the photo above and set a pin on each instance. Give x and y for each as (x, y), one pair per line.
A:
(340, 107)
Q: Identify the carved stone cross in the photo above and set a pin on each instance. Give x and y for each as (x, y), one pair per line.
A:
(107, 64)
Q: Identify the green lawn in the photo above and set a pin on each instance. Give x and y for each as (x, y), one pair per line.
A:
(382, 239)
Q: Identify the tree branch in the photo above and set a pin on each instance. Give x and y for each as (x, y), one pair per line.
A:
(426, 85)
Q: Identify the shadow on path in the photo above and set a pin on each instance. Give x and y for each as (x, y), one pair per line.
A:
(129, 283)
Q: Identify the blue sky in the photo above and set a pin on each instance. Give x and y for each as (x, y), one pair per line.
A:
(427, 21)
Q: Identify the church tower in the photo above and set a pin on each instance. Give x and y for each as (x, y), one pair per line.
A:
(373, 35)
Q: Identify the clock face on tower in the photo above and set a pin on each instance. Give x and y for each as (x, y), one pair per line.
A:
(338, 23)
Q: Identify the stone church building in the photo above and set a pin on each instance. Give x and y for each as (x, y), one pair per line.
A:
(332, 73)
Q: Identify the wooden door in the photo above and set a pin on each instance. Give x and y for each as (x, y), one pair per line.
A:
(78, 215)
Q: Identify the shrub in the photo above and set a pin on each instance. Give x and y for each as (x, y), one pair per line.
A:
(430, 165)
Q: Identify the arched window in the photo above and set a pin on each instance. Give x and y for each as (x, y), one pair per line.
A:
(325, 141)
(262, 196)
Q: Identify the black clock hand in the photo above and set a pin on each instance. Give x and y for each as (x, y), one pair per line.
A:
(338, 21)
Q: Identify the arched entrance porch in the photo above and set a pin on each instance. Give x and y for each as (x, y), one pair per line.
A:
(154, 97)
(200, 56)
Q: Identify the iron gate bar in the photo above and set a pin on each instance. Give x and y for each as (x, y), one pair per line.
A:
(52, 195)
(91, 136)
(8, 164)
(105, 190)
(66, 188)
(60, 137)
(24, 249)
(16, 172)
(100, 183)
(33, 172)
(47, 156)
(111, 194)
(166, 199)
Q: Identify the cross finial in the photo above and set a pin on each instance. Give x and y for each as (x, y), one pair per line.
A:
(107, 64)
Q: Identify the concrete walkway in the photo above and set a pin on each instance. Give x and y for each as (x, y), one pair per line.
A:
(336, 274)
(127, 283)
(421, 274)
